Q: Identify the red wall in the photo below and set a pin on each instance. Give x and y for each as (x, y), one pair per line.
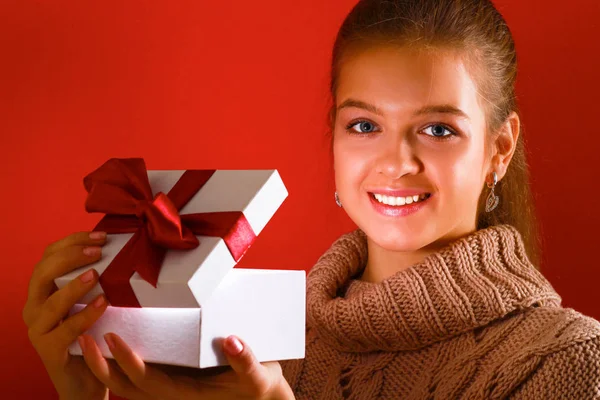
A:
(197, 84)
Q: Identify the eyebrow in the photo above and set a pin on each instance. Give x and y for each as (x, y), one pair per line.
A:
(431, 109)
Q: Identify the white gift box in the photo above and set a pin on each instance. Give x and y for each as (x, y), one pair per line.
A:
(188, 277)
(200, 298)
(265, 308)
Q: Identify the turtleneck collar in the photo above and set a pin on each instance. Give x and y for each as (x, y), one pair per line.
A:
(467, 284)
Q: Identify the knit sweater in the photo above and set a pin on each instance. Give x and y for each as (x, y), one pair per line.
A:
(474, 320)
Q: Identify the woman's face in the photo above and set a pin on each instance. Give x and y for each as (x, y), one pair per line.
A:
(409, 125)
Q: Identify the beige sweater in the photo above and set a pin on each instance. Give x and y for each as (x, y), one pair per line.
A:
(473, 321)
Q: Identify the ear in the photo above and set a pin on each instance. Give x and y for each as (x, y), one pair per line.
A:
(505, 144)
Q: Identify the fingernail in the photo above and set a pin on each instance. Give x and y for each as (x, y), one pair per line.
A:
(109, 341)
(87, 276)
(97, 235)
(99, 302)
(233, 346)
(81, 343)
(92, 251)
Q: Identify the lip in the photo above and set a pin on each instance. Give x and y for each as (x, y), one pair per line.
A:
(398, 211)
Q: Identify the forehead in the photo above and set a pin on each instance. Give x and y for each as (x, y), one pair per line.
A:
(399, 78)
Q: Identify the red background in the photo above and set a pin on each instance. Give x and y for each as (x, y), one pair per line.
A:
(197, 84)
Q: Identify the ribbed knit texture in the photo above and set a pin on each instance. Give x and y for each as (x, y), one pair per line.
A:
(474, 320)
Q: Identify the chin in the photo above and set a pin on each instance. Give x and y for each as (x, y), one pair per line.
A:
(399, 239)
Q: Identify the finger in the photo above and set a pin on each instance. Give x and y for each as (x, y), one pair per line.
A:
(250, 372)
(107, 372)
(144, 377)
(56, 265)
(72, 327)
(76, 239)
(42, 284)
(59, 303)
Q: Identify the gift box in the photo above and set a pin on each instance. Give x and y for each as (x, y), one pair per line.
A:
(167, 269)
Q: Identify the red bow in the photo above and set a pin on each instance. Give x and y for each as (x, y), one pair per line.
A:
(120, 189)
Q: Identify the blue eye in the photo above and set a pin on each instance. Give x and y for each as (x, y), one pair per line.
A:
(363, 126)
(438, 131)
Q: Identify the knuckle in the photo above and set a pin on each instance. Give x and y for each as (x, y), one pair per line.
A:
(69, 240)
(79, 238)
(43, 273)
(38, 273)
(74, 330)
(29, 316)
(33, 336)
(52, 305)
(54, 246)
(250, 367)
(79, 322)
(39, 265)
(250, 364)
(60, 302)
(73, 291)
(74, 326)
(49, 249)
(25, 316)
(59, 263)
(63, 256)
(38, 280)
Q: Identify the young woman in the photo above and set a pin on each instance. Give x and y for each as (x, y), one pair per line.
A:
(437, 294)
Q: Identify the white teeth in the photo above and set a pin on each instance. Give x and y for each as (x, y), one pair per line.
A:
(399, 201)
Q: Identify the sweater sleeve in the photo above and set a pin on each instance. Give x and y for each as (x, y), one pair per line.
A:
(570, 373)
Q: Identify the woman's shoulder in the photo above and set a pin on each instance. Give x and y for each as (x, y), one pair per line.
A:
(545, 330)
(556, 354)
(563, 326)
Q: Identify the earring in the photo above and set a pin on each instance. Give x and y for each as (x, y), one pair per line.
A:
(492, 200)
(337, 200)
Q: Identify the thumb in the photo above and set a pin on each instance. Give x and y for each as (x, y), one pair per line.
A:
(251, 373)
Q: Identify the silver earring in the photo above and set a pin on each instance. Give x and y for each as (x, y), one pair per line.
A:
(492, 200)
(337, 200)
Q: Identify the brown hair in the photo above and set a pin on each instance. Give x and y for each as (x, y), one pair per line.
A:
(476, 28)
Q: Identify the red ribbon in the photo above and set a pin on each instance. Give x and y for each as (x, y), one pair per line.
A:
(120, 189)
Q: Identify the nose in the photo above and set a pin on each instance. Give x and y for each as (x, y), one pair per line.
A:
(398, 158)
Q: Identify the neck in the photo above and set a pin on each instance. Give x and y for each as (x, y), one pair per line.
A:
(383, 263)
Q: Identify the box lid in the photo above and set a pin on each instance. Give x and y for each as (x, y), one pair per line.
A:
(188, 277)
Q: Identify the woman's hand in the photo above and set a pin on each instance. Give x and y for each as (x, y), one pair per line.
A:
(136, 380)
(45, 311)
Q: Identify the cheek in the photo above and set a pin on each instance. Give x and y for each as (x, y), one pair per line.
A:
(350, 163)
(457, 173)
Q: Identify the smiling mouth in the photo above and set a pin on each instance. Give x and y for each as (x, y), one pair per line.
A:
(400, 201)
